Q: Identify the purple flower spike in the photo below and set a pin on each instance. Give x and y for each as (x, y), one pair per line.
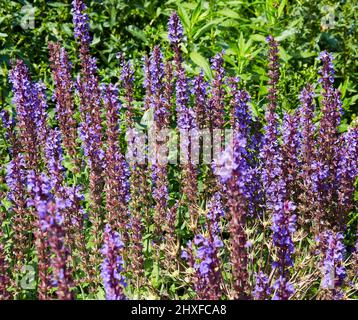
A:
(199, 90)
(328, 148)
(232, 170)
(175, 35)
(117, 170)
(63, 95)
(112, 265)
(308, 142)
(283, 289)
(217, 93)
(54, 156)
(50, 234)
(347, 172)
(262, 289)
(206, 261)
(127, 81)
(175, 29)
(29, 99)
(81, 22)
(332, 263)
(290, 153)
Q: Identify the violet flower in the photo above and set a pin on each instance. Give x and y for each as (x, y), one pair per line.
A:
(283, 289)
(291, 163)
(187, 125)
(22, 221)
(206, 261)
(80, 22)
(262, 290)
(175, 35)
(328, 144)
(332, 263)
(217, 93)
(117, 170)
(127, 82)
(63, 95)
(242, 122)
(8, 122)
(161, 122)
(199, 90)
(273, 73)
(112, 266)
(270, 153)
(54, 158)
(283, 226)
(232, 169)
(50, 238)
(307, 199)
(347, 172)
(28, 99)
(90, 131)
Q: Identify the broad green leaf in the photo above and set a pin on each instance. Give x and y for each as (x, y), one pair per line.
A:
(135, 31)
(199, 60)
(184, 18)
(258, 37)
(196, 14)
(206, 27)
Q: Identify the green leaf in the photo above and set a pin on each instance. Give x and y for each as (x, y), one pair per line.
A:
(281, 8)
(206, 27)
(95, 40)
(100, 294)
(58, 4)
(230, 23)
(229, 13)
(199, 60)
(307, 54)
(184, 18)
(148, 118)
(138, 33)
(258, 37)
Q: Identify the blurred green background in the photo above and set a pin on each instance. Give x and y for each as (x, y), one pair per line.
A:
(304, 28)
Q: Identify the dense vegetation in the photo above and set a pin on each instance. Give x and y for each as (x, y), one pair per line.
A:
(96, 202)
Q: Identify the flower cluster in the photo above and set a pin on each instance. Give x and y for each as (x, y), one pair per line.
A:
(216, 101)
(262, 289)
(232, 170)
(65, 109)
(112, 265)
(116, 171)
(333, 270)
(30, 113)
(51, 235)
(81, 22)
(92, 200)
(206, 260)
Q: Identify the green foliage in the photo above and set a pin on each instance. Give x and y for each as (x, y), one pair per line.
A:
(303, 27)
